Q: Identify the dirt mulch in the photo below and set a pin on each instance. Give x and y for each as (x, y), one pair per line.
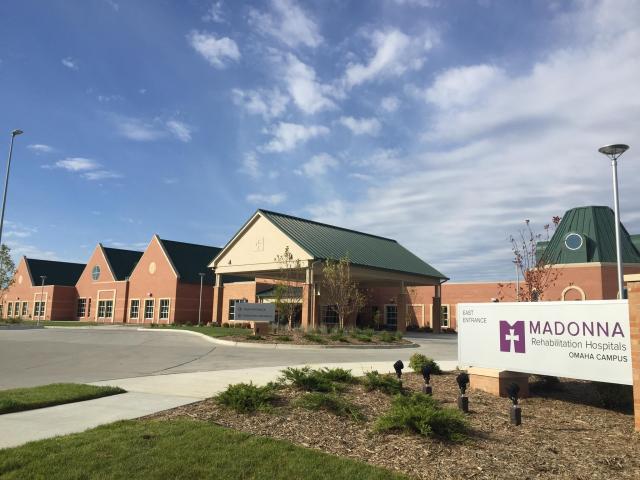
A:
(296, 337)
(559, 437)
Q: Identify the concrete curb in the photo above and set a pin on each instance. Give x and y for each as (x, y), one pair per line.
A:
(279, 346)
(20, 327)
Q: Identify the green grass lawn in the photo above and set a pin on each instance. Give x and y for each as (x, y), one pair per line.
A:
(211, 331)
(19, 399)
(176, 449)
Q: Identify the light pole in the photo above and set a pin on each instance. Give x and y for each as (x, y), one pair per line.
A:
(6, 179)
(614, 152)
(200, 303)
(41, 310)
(515, 262)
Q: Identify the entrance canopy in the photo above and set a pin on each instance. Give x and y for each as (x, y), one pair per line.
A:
(375, 261)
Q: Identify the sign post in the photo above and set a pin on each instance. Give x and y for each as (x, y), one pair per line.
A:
(633, 291)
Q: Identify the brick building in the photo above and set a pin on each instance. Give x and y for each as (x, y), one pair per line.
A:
(42, 289)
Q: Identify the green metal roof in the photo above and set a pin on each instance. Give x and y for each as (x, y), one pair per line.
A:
(635, 239)
(328, 242)
(57, 273)
(191, 259)
(271, 292)
(122, 261)
(596, 225)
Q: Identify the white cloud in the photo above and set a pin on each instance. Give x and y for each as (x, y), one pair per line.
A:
(217, 51)
(113, 5)
(250, 165)
(77, 164)
(395, 54)
(215, 13)
(318, 165)
(180, 130)
(309, 95)
(262, 199)
(287, 136)
(361, 126)
(86, 167)
(40, 148)
(268, 103)
(70, 63)
(288, 23)
(137, 129)
(463, 86)
(390, 104)
(524, 147)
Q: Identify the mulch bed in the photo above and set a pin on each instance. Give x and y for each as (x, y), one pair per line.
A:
(297, 337)
(562, 436)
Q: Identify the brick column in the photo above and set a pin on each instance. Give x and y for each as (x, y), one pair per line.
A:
(218, 299)
(633, 290)
(402, 309)
(306, 321)
(436, 310)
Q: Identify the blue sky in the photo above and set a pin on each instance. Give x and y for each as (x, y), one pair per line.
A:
(442, 124)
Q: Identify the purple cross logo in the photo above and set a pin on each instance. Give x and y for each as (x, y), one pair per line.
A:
(512, 334)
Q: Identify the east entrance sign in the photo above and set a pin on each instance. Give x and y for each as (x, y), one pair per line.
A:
(584, 340)
(255, 312)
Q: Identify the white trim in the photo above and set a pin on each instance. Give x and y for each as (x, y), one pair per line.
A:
(85, 307)
(160, 309)
(448, 305)
(573, 287)
(98, 299)
(410, 305)
(129, 317)
(384, 314)
(153, 317)
(46, 302)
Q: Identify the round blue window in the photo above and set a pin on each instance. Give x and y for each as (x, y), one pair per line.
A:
(573, 241)
(95, 273)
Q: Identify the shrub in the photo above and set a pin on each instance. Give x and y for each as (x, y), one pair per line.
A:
(247, 397)
(307, 379)
(422, 414)
(254, 337)
(226, 325)
(387, 337)
(336, 337)
(332, 403)
(337, 375)
(385, 383)
(615, 396)
(284, 338)
(314, 337)
(418, 360)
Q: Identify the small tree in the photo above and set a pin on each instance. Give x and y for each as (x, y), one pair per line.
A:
(288, 289)
(536, 270)
(7, 271)
(339, 290)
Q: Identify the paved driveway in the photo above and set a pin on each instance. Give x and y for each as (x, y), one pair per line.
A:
(35, 357)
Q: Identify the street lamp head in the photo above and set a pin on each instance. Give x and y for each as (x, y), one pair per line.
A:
(614, 151)
(17, 132)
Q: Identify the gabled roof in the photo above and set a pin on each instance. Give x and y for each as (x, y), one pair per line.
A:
(597, 226)
(635, 239)
(57, 273)
(122, 262)
(190, 259)
(328, 242)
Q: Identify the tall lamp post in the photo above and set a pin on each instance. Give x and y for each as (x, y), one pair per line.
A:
(41, 310)
(200, 302)
(6, 179)
(614, 152)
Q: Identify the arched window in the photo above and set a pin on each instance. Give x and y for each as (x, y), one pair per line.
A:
(573, 293)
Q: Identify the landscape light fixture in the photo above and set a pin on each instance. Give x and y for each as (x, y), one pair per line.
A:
(513, 391)
(426, 374)
(14, 134)
(614, 152)
(463, 400)
(398, 366)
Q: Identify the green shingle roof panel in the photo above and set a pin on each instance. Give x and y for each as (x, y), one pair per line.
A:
(324, 241)
(122, 261)
(190, 260)
(57, 273)
(597, 226)
(635, 239)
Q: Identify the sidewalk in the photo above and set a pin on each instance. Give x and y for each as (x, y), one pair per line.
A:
(147, 395)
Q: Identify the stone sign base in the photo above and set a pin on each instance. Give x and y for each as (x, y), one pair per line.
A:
(260, 328)
(496, 382)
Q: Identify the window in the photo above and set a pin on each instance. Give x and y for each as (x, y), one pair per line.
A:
(95, 273)
(38, 309)
(573, 241)
(16, 310)
(1, 310)
(101, 308)
(391, 314)
(444, 316)
(232, 307)
(329, 314)
(82, 307)
(9, 309)
(108, 308)
(148, 309)
(133, 310)
(164, 309)
(25, 308)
